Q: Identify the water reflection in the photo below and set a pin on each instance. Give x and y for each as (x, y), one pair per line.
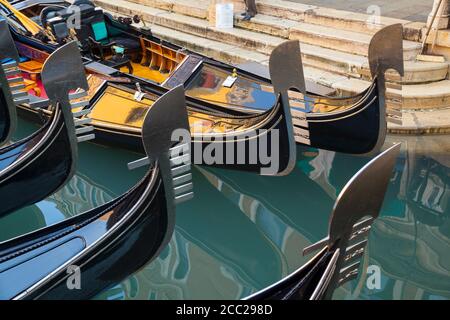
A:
(411, 242)
(102, 175)
(208, 85)
(243, 232)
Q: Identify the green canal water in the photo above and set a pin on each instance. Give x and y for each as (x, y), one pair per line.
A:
(244, 232)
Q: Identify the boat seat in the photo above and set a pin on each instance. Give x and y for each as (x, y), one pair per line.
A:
(101, 40)
(127, 43)
(59, 29)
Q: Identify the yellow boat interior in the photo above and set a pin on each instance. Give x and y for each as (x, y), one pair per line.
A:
(115, 107)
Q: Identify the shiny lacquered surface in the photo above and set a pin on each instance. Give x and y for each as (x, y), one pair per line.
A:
(243, 232)
(4, 119)
(35, 167)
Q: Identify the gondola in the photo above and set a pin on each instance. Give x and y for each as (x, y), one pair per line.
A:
(262, 143)
(40, 164)
(11, 82)
(339, 259)
(108, 243)
(354, 125)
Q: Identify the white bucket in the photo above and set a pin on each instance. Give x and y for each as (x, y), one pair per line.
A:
(224, 15)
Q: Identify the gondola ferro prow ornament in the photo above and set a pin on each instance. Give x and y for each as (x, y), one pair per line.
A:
(286, 72)
(353, 215)
(61, 86)
(167, 142)
(12, 83)
(385, 53)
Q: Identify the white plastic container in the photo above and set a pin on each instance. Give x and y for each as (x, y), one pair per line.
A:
(224, 15)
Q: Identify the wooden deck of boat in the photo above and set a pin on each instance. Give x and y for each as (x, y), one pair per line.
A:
(147, 73)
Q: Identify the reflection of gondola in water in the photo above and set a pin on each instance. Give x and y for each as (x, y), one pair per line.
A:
(80, 195)
(351, 125)
(187, 272)
(203, 262)
(43, 162)
(116, 239)
(411, 242)
(240, 257)
(260, 196)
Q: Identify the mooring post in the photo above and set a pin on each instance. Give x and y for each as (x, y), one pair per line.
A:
(443, 15)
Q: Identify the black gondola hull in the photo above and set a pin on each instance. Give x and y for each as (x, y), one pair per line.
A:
(129, 238)
(43, 171)
(5, 119)
(301, 285)
(357, 130)
(241, 152)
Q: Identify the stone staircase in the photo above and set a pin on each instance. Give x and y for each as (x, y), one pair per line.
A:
(334, 47)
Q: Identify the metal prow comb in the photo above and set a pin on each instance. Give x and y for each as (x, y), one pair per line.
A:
(11, 69)
(386, 52)
(356, 209)
(167, 142)
(62, 87)
(286, 72)
(164, 117)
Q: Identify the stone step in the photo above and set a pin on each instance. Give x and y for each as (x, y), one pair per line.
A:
(343, 40)
(358, 66)
(267, 24)
(198, 8)
(431, 96)
(423, 122)
(339, 19)
(315, 56)
(341, 62)
(260, 42)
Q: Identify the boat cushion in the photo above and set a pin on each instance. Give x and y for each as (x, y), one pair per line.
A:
(100, 31)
